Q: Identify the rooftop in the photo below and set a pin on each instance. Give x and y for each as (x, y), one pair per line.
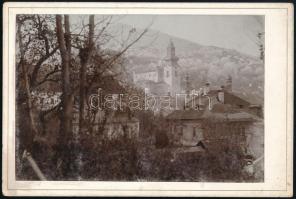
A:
(185, 115)
(146, 68)
(218, 112)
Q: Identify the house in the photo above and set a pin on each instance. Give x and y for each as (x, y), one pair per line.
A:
(217, 120)
(162, 78)
(112, 124)
(108, 118)
(122, 124)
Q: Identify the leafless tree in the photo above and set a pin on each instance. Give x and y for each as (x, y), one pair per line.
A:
(22, 63)
(48, 49)
(36, 48)
(64, 40)
(85, 55)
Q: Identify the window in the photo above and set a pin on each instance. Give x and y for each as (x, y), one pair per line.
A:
(179, 130)
(242, 131)
(168, 73)
(197, 133)
(194, 133)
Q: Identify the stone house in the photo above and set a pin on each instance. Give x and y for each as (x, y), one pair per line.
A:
(219, 120)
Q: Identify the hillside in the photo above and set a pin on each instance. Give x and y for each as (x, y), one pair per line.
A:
(201, 63)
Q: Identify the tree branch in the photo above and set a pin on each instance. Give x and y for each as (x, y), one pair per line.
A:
(38, 66)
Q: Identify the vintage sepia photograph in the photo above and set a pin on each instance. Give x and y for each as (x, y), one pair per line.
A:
(142, 99)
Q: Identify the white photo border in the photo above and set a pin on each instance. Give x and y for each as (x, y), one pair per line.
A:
(278, 104)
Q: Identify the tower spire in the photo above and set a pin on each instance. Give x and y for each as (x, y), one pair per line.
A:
(171, 51)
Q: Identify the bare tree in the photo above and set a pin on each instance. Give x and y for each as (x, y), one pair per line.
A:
(64, 41)
(48, 52)
(36, 48)
(85, 55)
(33, 129)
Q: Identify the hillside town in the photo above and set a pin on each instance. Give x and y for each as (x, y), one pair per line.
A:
(151, 124)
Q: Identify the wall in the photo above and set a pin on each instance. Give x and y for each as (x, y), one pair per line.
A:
(152, 76)
(225, 135)
(185, 133)
(131, 129)
(255, 139)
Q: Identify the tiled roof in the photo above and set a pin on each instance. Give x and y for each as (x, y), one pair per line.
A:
(247, 98)
(226, 115)
(234, 98)
(185, 115)
(223, 108)
(213, 92)
(146, 68)
(231, 117)
(241, 116)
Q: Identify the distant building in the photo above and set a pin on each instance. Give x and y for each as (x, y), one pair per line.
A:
(163, 78)
(218, 117)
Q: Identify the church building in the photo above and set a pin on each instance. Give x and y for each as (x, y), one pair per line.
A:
(162, 78)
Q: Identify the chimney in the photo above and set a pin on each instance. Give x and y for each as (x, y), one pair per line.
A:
(228, 86)
(221, 95)
(187, 84)
(206, 89)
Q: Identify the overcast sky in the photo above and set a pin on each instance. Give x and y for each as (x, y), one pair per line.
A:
(233, 32)
(237, 32)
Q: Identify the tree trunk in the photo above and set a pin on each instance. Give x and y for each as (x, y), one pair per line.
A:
(65, 136)
(85, 55)
(28, 142)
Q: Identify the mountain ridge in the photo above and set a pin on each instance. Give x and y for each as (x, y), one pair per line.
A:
(203, 63)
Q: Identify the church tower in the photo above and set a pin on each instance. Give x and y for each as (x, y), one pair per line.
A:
(172, 69)
(171, 53)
